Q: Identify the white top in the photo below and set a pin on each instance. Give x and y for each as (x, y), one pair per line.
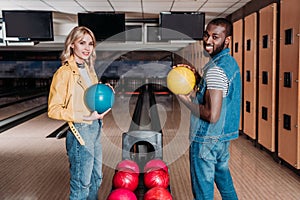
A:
(85, 76)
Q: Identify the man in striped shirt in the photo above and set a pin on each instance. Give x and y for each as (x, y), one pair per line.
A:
(215, 115)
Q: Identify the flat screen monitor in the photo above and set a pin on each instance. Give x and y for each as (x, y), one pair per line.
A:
(105, 26)
(25, 25)
(182, 25)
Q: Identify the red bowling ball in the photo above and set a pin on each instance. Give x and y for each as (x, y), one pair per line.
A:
(126, 178)
(121, 194)
(158, 193)
(129, 164)
(156, 163)
(156, 177)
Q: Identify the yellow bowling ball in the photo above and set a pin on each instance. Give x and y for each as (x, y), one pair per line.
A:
(181, 80)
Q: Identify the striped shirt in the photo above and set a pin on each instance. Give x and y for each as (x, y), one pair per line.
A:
(217, 80)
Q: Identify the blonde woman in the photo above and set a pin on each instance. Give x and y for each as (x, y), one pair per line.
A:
(66, 102)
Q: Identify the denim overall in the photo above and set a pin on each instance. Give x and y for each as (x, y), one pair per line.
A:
(209, 151)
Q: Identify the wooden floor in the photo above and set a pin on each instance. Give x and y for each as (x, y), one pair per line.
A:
(33, 167)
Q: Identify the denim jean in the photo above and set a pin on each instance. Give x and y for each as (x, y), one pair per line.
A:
(85, 161)
(209, 164)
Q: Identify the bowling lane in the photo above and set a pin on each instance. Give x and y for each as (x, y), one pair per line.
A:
(31, 165)
(15, 109)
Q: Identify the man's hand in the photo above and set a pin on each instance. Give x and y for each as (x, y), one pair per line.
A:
(193, 69)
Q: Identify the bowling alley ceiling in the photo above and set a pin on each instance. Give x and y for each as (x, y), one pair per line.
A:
(135, 8)
(65, 11)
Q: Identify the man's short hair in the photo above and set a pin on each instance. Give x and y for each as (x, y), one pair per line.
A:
(224, 22)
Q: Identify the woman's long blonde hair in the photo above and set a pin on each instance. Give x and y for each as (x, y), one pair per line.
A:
(77, 33)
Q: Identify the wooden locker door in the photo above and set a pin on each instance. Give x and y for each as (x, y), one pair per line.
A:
(298, 110)
(237, 46)
(250, 78)
(288, 114)
(267, 77)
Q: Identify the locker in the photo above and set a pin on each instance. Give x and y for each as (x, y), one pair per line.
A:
(288, 110)
(267, 77)
(250, 78)
(237, 49)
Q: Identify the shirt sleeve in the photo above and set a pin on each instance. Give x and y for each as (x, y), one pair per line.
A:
(217, 80)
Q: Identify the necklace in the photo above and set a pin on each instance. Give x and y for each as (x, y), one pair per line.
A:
(79, 65)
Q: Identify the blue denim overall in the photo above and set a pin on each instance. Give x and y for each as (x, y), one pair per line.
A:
(85, 161)
(209, 150)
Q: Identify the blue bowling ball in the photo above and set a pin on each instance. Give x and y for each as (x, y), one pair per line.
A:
(99, 97)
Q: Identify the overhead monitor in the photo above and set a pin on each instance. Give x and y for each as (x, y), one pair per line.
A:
(182, 25)
(27, 25)
(105, 26)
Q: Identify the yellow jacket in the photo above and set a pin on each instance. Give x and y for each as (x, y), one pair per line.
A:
(66, 96)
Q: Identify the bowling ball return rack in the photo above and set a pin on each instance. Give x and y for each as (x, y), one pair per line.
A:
(144, 139)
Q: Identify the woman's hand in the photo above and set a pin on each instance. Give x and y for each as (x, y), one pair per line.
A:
(95, 115)
(109, 85)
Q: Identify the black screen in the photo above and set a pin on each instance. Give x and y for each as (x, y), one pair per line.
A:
(182, 25)
(109, 26)
(28, 25)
